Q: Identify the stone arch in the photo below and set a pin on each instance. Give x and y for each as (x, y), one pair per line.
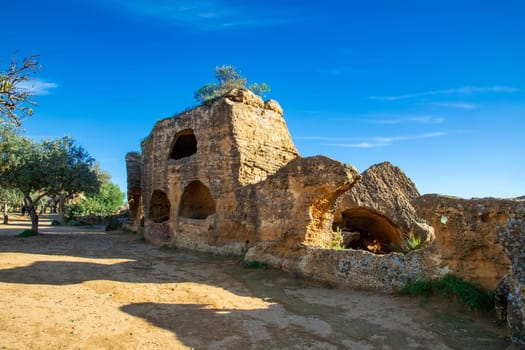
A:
(184, 144)
(196, 202)
(159, 209)
(365, 228)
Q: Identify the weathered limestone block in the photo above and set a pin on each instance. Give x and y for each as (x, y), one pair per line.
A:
(380, 205)
(293, 207)
(513, 240)
(467, 233)
(134, 168)
(197, 163)
(350, 268)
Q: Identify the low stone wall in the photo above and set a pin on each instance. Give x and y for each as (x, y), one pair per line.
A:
(357, 269)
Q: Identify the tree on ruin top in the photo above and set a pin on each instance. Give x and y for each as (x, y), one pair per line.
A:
(228, 79)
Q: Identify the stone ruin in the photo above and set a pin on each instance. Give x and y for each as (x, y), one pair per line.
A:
(226, 178)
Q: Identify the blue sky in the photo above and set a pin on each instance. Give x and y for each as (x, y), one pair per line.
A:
(435, 87)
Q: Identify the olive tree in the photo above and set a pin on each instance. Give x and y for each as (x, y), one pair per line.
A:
(228, 78)
(106, 202)
(9, 197)
(15, 100)
(48, 168)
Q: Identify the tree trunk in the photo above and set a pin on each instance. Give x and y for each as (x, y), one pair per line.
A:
(6, 217)
(62, 208)
(33, 214)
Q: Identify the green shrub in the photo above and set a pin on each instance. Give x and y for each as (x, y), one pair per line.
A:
(423, 288)
(27, 233)
(337, 241)
(415, 242)
(469, 294)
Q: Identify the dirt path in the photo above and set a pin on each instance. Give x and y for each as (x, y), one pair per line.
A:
(78, 288)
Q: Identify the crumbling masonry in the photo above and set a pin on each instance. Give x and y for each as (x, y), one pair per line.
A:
(226, 178)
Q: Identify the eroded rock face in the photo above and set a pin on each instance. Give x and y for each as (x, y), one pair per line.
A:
(513, 240)
(466, 233)
(379, 207)
(134, 168)
(483, 241)
(223, 177)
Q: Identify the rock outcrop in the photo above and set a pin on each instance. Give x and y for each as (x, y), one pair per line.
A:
(379, 208)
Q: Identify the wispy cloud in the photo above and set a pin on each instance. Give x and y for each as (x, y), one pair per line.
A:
(37, 87)
(371, 142)
(400, 120)
(205, 15)
(465, 90)
(457, 105)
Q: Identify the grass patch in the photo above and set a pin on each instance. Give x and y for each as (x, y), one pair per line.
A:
(415, 242)
(469, 294)
(337, 241)
(27, 233)
(255, 265)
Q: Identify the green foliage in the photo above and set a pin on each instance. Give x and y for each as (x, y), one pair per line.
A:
(48, 168)
(27, 233)
(415, 242)
(12, 197)
(228, 78)
(470, 294)
(423, 288)
(103, 203)
(337, 241)
(255, 264)
(15, 98)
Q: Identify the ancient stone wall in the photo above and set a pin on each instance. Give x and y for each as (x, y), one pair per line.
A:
(202, 160)
(467, 232)
(226, 178)
(134, 168)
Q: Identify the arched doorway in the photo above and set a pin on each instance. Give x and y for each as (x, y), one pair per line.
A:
(185, 144)
(367, 229)
(196, 202)
(159, 209)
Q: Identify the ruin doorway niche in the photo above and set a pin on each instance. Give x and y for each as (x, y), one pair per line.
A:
(184, 145)
(366, 229)
(196, 202)
(159, 209)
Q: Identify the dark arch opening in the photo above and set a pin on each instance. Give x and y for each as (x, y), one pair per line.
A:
(159, 209)
(367, 229)
(196, 202)
(185, 145)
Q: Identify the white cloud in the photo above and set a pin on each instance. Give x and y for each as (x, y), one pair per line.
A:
(371, 142)
(457, 105)
(357, 145)
(37, 87)
(465, 90)
(416, 119)
(205, 15)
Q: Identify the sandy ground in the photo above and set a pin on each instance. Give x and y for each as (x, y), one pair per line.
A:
(79, 288)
